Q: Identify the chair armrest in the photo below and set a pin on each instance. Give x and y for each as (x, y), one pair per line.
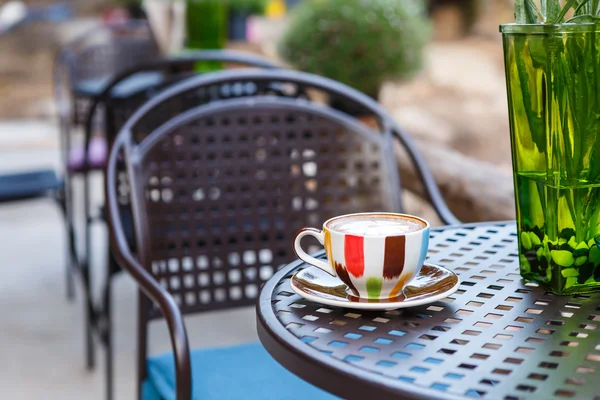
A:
(431, 188)
(147, 283)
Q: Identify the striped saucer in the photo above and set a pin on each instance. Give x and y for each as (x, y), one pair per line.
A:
(433, 283)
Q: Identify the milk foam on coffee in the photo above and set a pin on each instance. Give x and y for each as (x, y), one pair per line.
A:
(376, 226)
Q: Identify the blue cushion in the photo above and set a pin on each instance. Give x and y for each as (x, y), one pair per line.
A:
(238, 372)
(149, 391)
(28, 185)
(130, 86)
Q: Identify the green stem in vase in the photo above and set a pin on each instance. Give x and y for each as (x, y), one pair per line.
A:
(553, 75)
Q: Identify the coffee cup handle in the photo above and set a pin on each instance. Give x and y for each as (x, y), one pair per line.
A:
(320, 236)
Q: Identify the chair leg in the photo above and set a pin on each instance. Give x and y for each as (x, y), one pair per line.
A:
(72, 258)
(107, 335)
(87, 219)
(70, 274)
(65, 198)
(142, 351)
(89, 320)
(90, 312)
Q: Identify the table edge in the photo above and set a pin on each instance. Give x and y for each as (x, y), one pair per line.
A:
(318, 369)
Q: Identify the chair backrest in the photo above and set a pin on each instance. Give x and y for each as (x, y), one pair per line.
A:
(108, 59)
(99, 53)
(209, 87)
(74, 55)
(174, 69)
(250, 82)
(235, 83)
(220, 191)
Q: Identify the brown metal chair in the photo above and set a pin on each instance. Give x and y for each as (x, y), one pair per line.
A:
(118, 105)
(84, 66)
(81, 69)
(218, 194)
(220, 191)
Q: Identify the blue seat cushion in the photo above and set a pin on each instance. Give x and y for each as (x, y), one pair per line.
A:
(130, 86)
(28, 185)
(149, 392)
(238, 372)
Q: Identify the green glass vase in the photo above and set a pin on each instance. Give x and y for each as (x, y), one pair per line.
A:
(553, 82)
(207, 25)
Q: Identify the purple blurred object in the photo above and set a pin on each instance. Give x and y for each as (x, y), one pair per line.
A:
(97, 153)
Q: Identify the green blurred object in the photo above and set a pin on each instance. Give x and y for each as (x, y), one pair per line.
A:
(127, 3)
(247, 6)
(207, 29)
(207, 24)
(553, 79)
(357, 42)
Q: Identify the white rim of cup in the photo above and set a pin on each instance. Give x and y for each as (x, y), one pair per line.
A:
(407, 216)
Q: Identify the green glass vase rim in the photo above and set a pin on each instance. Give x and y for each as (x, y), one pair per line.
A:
(544, 29)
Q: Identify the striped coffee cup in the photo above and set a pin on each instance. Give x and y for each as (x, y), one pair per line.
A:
(375, 254)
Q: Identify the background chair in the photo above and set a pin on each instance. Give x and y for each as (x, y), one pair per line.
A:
(85, 66)
(117, 108)
(219, 192)
(82, 70)
(79, 70)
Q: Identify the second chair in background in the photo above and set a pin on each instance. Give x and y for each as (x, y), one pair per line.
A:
(117, 107)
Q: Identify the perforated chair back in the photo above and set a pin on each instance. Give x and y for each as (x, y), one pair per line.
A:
(92, 54)
(204, 89)
(173, 70)
(106, 60)
(104, 34)
(285, 83)
(99, 54)
(220, 191)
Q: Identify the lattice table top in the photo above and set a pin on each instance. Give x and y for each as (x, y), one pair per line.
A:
(496, 338)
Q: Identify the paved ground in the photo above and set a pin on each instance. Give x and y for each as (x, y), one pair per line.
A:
(41, 333)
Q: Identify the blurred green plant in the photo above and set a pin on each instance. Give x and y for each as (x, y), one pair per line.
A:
(249, 6)
(127, 3)
(358, 42)
(245, 6)
(552, 12)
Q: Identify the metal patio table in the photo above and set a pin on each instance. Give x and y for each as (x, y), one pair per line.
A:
(496, 337)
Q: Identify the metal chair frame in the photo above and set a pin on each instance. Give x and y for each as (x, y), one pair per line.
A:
(65, 80)
(175, 69)
(126, 141)
(134, 154)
